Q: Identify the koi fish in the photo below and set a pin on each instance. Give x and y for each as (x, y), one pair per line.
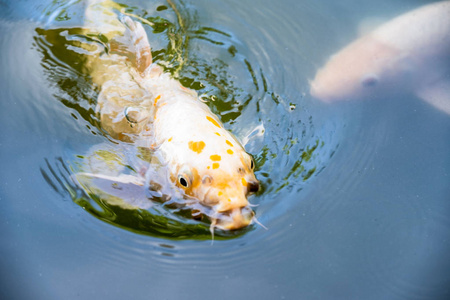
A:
(140, 104)
(410, 53)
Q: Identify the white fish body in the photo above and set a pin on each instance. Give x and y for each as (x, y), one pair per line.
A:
(139, 103)
(410, 53)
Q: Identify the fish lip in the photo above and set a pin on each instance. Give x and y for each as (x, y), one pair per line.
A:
(318, 93)
(234, 219)
(313, 89)
(253, 186)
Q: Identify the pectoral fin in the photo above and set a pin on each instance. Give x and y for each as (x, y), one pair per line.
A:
(437, 94)
(125, 190)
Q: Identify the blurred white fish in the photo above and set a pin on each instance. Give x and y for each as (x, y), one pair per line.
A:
(410, 53)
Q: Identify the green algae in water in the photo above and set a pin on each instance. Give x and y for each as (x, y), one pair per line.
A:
(152, 222)
(159, 221)
(65, 51)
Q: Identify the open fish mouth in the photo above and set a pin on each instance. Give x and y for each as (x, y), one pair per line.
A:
(233, 219)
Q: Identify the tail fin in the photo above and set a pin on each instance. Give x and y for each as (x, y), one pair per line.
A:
(101, 16)
(133, 43)
(125, 36)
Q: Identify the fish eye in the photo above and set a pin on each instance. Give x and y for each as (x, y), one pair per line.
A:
(183, 181)
(249, 162)
(252, 162)
(369, 80)
(185, 177)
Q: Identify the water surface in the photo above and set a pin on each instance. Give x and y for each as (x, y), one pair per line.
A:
(355, 195)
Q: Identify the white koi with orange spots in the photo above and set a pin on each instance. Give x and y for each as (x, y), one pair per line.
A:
(213, 168)
(205, 162)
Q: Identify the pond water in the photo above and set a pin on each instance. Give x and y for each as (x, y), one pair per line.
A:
(355, 196)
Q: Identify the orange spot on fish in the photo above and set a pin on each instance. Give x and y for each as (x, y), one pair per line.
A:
(197, 146)
(215, 157)
(156, 100)
(170, 139)
(220, 193)
(229, 143)
(244, 182)
(215, 165)
(212, 121)
(208, 167)
(229, 151)
(217, 133)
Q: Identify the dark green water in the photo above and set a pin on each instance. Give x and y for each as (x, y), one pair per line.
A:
(355, 196)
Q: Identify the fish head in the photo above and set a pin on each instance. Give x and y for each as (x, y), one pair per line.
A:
(207, 163)
(361, 70)
(220, 179)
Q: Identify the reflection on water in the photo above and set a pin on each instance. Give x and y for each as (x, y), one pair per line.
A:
(371, 222)
(202, 58)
